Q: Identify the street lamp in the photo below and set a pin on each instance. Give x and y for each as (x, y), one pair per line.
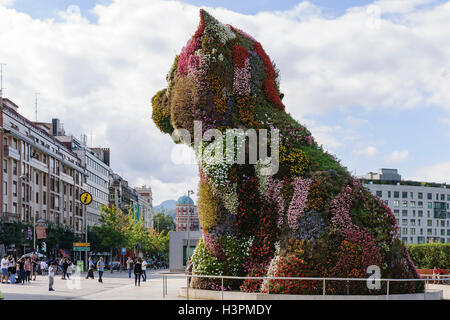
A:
(188, 229)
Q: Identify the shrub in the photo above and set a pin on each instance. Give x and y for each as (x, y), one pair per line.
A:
(430, 255)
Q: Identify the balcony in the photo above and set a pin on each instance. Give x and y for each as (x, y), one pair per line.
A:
(11, 152)
(66, 178)
(38, 165)
(9, 217)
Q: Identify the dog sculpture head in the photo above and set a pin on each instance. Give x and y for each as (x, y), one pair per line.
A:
(219, 78)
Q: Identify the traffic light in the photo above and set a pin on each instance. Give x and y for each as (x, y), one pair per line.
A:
(44, 247)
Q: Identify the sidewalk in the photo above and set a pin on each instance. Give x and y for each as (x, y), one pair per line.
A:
(115, 286)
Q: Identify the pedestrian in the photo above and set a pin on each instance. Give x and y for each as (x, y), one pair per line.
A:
(35, 265)
(69, 268)
(137, 272)
(12, 270)
(51, 276)
(28, 267)
(65, 264)
(43, 267)
(100, 268)
(91, 267)
(21, 268)
(4, 264)
(144, 270)
(130, 263)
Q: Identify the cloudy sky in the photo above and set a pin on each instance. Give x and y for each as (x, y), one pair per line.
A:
(370, 79)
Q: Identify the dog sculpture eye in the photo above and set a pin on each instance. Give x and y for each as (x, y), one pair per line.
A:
(308, 217)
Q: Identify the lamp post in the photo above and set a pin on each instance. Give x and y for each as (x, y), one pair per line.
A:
(188, 229)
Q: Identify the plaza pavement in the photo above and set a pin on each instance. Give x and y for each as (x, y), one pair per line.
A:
(115, 286)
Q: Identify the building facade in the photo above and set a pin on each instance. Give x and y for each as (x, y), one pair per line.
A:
(186, 213)
(95, 161)
(145, 201)
(422, 209)
(42, 178)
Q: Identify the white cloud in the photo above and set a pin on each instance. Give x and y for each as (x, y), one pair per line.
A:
(6, 3)
(356, 121)
(101, 77)
(439, 172)
(445, 121)
(369, 152)
(397, 156)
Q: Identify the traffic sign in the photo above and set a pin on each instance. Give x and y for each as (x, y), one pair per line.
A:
(124, 251)
(81, 244)
(81, 249)
(86, 198)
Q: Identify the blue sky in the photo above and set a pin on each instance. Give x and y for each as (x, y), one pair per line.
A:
(44, 9)
(375, 97)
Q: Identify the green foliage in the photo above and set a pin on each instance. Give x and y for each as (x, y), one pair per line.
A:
(163, 222)
(12, 233)
(430, 255)
(113, 223)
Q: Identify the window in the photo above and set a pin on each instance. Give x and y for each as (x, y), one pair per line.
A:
(404, 222)
(429, 223)
(15, 188)
(420, 195)
(404, 204)
(405, 231)
(404, 194)
(396, 212)
(404, 213)
(420, 204)
(396, 194)
(411, 195)
(442, 197)
(412, 222)
(5, 166)
(389, 195)
(412, 231)
(430, 205)
(412, 204)
(5, 188)
(429, 196)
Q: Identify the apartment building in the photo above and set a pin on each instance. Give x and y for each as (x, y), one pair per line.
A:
(422, 209)
(95, 161)
(145, 202)
(42, 178)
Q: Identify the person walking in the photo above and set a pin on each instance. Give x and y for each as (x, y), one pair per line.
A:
(144, 270)
(69, 268)
(4, 264)
(28, 267)
(137, 272)
(43, 267)
(130, 263)
(51, 276)
(21, 267)
(65, 265)
(91, 267)
(34, 264)
(100, 268)
(12, 270)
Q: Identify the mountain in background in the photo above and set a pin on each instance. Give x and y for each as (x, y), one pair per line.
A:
(166, 207)
(168, 204)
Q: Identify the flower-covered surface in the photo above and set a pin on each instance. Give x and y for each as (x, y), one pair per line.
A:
(310, 219)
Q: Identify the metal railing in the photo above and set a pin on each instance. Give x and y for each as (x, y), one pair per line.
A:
(442, 278)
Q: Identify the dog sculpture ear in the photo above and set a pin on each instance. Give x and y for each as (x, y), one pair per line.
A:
(161, 112)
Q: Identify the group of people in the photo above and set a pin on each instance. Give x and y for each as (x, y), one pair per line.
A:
(139, 268)
(100, 266)
(25, 268)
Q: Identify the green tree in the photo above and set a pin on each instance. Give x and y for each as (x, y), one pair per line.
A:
(163, 222)
(113, 228)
